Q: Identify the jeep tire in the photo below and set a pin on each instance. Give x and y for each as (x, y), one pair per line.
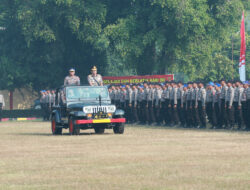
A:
(119, 128)
(73, 128)
(54, 127)
(99, 129)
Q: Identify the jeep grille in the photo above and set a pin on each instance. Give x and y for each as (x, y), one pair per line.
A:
(97, 109)
(100, 109)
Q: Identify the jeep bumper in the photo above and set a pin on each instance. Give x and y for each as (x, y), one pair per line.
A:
(84, 121)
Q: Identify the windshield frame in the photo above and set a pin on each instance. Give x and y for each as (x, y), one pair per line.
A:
(85, 99)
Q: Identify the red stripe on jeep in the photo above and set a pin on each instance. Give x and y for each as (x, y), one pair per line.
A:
(78, 122)
(120, 120)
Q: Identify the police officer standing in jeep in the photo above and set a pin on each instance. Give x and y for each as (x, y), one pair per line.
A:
(95, 79)
(72, 79)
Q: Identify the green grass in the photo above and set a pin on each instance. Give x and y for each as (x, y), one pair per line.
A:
(142, 158)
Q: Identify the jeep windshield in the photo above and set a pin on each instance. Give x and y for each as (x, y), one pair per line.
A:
(86, 93)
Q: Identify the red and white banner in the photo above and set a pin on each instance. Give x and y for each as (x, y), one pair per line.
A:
(242, 64)
(138, 79)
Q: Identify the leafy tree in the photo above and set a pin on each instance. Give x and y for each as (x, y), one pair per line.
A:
(163, 36)
(41, 40)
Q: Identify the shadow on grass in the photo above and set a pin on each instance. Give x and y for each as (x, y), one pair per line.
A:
(64, 134)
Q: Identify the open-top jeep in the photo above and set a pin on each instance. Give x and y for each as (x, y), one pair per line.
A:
(85, 107)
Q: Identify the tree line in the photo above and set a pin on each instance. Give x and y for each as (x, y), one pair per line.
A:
(41, 39)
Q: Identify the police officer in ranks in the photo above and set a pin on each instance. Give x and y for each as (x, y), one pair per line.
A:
(201, 98)
(229, 104)
(209, 103)
(135, 118)
(184, 105)
(47, 104)
(2, 105)
(237, 104)
(168, 106)
(189, 105)
(216, 106)
(244, 104)
(248, 106)
(43, 103)
(150, 101)
(140, 99)
(53, 100)
(72, 79)
(145, 102)
(50, 101)
(122, 97)
(112, 94)
(173, 104)
(117, 96)
(195, 114)
(223, 116)
(170, 88)
(95, 79)
(157, 103)
(128, 100)
(179, 102)
(164, 107)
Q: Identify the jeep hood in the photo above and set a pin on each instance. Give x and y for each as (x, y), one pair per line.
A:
(73, 105)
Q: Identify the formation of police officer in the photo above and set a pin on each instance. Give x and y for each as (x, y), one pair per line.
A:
(47, 100)
(48, 97)
(225, 105)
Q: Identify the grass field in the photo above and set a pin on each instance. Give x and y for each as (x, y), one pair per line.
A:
(142, 158)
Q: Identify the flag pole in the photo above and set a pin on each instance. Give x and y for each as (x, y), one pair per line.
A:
(242, 61)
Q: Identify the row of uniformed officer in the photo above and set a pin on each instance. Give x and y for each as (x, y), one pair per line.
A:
(47, 100)
(224, 105)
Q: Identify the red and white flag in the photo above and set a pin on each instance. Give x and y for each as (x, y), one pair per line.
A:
(242, 64)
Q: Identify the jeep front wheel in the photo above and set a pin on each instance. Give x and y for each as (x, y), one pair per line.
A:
(119, 128)
(54, 127)
(73, 128)
(99, 129)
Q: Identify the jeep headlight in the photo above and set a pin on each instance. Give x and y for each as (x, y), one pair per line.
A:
(87, 110)
(111, 109)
